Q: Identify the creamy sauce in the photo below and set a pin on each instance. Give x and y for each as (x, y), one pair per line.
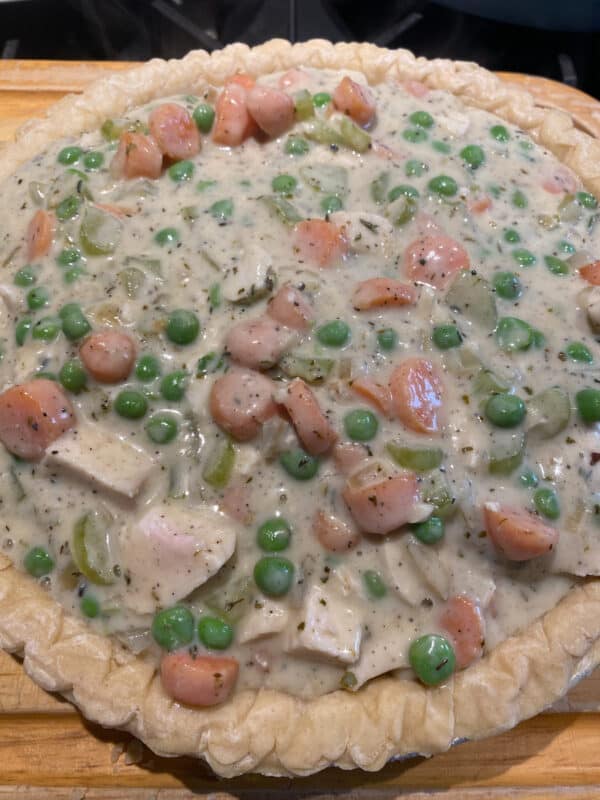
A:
(138, 494)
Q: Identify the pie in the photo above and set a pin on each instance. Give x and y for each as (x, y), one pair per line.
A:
(299, 410)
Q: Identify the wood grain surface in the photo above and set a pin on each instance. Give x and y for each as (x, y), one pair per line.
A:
(48, 752)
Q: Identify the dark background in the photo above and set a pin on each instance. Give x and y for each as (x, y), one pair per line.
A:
(140, 29)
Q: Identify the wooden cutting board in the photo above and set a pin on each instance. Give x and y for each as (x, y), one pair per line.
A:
(48, 752)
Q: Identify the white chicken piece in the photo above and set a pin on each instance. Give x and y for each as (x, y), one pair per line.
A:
(251, 277)
(414, 570)
(384, 652)
(329, 628)
(455, 123)
(171, 551)
(102, 459)
(265, 618)
(428, 563)
(11, 297)
(365, 233)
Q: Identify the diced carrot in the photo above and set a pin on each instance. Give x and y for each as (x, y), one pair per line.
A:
(108, 355)
(233, 123)
(334, 534)
(562, 181)
(591, 273)
(435, 259)
(312, 426)
(479, 203)
(198, 680)
(418, 395)
(241, 79)
(175, 131)
(354, 100)
(137, 156)
(240, 401)
(517, 533)
(291, 308)
(383, 506)
(271, 109)
(462, 619)
(38, 237)
(379, 394)
(381, 292)
(319, 241)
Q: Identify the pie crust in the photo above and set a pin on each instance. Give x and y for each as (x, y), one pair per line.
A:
(268, 731)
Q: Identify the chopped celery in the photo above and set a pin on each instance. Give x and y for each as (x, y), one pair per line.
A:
(418, 459)
(219, 466)
(319, 131)
(230, 600)
(286, 212)
(311, 369)
(303, 105)
(379, 188)
(100, 232)
(548, 412)
(435, 490)
(353, 136)
(472, 296)
(326, 178)
(91, 547)
(506, 452)
(487, 382)
(402, 209)
(131, 279)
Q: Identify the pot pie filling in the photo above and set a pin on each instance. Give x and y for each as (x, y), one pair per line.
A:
(300, 382)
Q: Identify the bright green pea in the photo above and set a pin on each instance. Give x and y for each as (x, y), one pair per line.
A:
(333, 334)
(513, 333)
(443, 185)
(22, 328)
(38, 562)
(46, 329)
(69, 155)
(422, 119)
(361, 425)
(147, 368)
(37, 298)
(204, 116)
(26, 276)
(182, 326)
(430, 531)
(402, 189)
(93, 160)
(500, 133)
(89, 606)
(556, 265)
(473, 156)
(173, 628)
(376, 588)
(441, 147)
(387, 339)
(505, 410)
(546, 503)
(173, 385)
(523, 257)
(528, 478)
(577, 351)
(215, 633)
(167, 236)
(432, 658)
(222, 210)
(274, 534)
(296, 146)
(446, 337)
(415, 168)
(321, 99)
(588, 405)
(181, 171)
(284, 184)
(161, 428)
(274, 575)
(68, 208)
(74, 322)
(507, 285)
(331, 204)
(511, 236)
(519, 200)
(68, 256)
(587, 200)
(566, 247)
(415, 135)
(130, 404)
(299, 464)
(73, 376)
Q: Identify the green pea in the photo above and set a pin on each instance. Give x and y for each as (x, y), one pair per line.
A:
(22, 328)
(361, 425)
(73, 376)
(181, 171)
(566, 247)
(505, 410)
(415, 168)
(204, 116)
(513, 333)
(537, 338)
(376, 588)
(415, 135)
(284, 184)
(473, 156)
(46, 329)
(274, 575)
(73, 274)
(167, 236)
(49, 376)
(38, 562)
(296, 146)
(93, 160)
(222, 210)
(173, 628)
(432, 658)
(422, 119)
(68, 256)
(577, 351)
(182, 327)
(274, 534)
(525, 144)
(446, 336)
(556, 265)
(69, 155)
(37, 298)
(511, 236)
(443, 185)
(26, 276)
(68, 208)
(588, 405)
(546, 503)
(161, 428)
(299, 464)
(74, 322)
(130, 404)
(402, 189)
(523, 257)
(507, 285)
(147, 368)
(89, 606)
(519, 200)
(441, 147)
(215, 633)
(173, 385)
(321, 99)
(528, 478)
(331, 204)
(387, 339)
(500, 133)
(587, 200)
(430, 531)
(333, 334)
